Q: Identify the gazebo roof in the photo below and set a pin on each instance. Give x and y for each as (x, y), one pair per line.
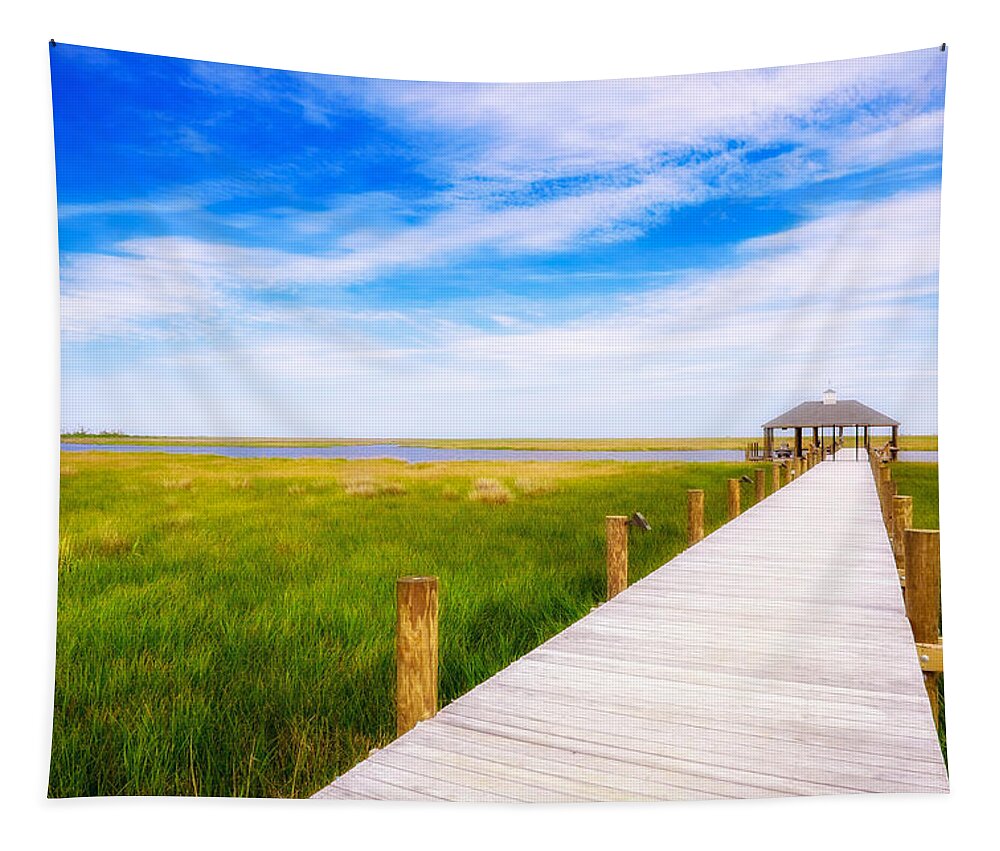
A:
(845, 413)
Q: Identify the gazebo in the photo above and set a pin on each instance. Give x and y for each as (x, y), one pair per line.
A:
(830, 414)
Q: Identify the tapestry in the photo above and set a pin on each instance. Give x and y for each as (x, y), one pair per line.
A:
(540, 442)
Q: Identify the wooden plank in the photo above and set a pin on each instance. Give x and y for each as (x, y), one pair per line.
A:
(733, 764)
(519, 772)
(747, 683)
(469, 778)
(681, 700)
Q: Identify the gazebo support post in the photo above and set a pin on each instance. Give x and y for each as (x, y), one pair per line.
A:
(894, 450)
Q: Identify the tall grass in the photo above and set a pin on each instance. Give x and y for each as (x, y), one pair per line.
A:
(225, 626)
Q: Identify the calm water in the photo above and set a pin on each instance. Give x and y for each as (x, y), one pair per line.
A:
(418, 454)
(913, 455)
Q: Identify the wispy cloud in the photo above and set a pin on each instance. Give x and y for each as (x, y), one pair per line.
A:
(390, 257)
(810, 305)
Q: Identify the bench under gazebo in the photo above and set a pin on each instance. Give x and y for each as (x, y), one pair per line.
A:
(829, 413)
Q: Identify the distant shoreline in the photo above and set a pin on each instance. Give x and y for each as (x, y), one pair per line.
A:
(632, 444)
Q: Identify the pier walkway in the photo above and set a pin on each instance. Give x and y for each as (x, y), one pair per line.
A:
(772, 658)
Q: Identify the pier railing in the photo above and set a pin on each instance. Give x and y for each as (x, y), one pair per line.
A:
(918, 561)
(753, 452)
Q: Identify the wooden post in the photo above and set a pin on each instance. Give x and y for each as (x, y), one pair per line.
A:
(696, 516)
(775, 477)
(416, 650)
(733, 502)
(786, 472)
(617, 534)
(923, 596)
(902, 519)
(884, 476)
(759, 485)
(890, 496)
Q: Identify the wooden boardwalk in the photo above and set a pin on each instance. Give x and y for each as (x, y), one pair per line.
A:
(772, 658)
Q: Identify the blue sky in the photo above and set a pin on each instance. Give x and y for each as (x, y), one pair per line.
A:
(254, 252)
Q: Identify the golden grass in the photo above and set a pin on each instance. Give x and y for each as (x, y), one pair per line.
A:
(66, 553)
(535, 487)
(490, 491)
(177, 484)
(109, 542)
(907, 441)
(370, 488)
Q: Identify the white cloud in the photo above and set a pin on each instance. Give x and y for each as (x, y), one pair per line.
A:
(527, 131)
(133, 295)
(847, 299)
(612, 131)
(923, 133)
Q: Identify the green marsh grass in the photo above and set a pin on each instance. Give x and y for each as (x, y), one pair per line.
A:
(225, 626)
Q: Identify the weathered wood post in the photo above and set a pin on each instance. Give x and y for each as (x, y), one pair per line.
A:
(884, 476)
(923, 597)
(416, 650)
(890, 496)
(759, 485)
(733, 501)
(617, 551)
(696, 516)
(902, 519)
(775, 477)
